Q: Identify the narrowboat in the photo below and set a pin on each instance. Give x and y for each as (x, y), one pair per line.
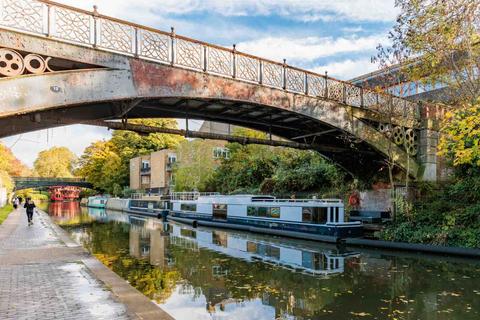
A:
(312, 219)
(97, 202)
(151, 208)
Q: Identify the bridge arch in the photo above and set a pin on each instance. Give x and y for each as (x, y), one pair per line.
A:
(22, 183)
(97, 84)
(111, 94)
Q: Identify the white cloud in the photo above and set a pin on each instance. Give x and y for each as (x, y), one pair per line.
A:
(347, 69)
(306, 10)
(305, 50)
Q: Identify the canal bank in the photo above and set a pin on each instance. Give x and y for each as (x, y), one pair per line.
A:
(46, 275)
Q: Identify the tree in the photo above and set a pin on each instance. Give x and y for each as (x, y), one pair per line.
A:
(100, 165)
(10, 164)
(439, 42)
(461, 139)
(55, 162)
(300, 170)
(195, 166)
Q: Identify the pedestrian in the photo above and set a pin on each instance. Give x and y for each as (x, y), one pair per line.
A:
(15, 203)
(30, 207)
(20, 200)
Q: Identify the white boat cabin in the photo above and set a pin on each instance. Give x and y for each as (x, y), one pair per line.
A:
(316, 211)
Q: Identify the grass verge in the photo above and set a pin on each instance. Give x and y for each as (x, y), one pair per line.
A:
(4, 212)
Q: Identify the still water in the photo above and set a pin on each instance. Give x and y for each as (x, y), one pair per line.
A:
(207, 273)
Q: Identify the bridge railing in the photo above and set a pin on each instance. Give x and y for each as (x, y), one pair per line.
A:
(92, 29)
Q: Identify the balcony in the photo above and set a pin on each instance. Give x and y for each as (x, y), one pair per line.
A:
(145, 170)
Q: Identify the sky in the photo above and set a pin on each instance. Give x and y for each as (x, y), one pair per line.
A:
(337, 36)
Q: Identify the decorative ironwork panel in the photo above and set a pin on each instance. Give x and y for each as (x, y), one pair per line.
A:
(398, 106)
(272, 74)
(411, 109)
(353, 95)
(219, 61)
(316, 85)
(189, 54)
(72, 25)
(247, 68)
(22, 14)
(385, 105)
(154, 45)
(335, 90)
(116, 36)
(295, 80)
(369, 98)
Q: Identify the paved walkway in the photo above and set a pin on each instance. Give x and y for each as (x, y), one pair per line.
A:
(45, 275)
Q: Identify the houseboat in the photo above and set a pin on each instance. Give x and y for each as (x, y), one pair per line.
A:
(97, 202)
(313, 219)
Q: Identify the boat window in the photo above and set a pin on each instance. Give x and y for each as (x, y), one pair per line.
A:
(337, 209)
(219, 211)
(188, 207)
(268, 212)
(265, 250)
(314, 215)
(188, 233)
(313, 260)
(219, 238)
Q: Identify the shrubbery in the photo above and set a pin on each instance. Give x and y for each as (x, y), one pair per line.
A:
(443, 215)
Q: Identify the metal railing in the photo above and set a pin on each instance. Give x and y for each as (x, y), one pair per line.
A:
(27, 179)
(91, 29)
(191, 195)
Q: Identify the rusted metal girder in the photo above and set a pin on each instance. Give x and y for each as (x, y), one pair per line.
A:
(213, 136)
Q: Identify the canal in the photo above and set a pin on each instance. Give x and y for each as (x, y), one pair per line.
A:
(208, 273)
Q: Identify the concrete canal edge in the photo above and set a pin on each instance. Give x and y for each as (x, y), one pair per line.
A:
(415, 247)
(136, 303)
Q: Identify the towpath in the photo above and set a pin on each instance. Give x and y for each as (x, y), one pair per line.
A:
(46, 275)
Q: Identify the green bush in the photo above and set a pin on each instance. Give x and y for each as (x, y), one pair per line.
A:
(443, 214)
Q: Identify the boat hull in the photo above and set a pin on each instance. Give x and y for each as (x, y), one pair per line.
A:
(327, 233)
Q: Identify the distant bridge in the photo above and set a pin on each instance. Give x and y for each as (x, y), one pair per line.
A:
(39, 182)
(65, 65)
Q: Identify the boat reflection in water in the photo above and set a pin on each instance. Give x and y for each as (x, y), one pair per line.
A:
(323, 261)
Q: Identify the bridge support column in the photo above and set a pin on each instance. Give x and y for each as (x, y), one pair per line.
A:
(427, 156)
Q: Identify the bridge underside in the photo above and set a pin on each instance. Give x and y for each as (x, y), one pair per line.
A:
(353, 154)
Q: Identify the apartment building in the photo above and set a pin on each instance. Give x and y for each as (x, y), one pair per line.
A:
(153, 172)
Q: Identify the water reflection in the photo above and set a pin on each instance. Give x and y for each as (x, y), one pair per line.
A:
(215, 274)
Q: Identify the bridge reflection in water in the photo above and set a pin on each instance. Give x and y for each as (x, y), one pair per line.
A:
(214, 274)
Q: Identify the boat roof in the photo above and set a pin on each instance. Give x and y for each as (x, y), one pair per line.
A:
(243, 198)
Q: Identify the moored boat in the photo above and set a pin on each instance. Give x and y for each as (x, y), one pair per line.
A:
(314, 219)
(97, 201)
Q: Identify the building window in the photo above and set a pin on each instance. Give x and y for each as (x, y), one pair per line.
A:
(145, 179)
(267, 212)
(316, 215)
(145, 164)
(188, 207)
(172, 158)
(221, 153)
